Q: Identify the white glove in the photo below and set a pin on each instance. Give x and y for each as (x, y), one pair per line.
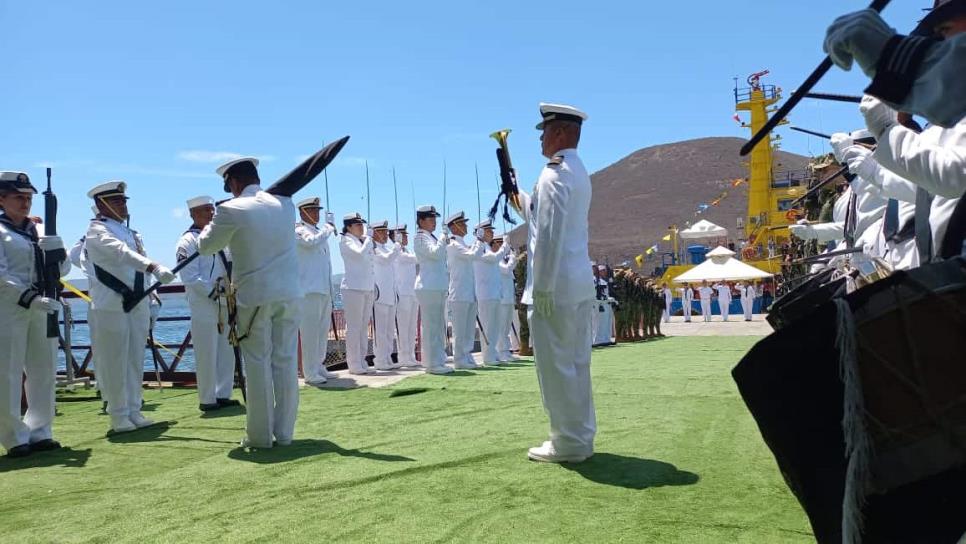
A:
(840, 141)
(330, 218)
(861, 36)
(543, 303)
(802, 231)
(854, 156)
(368, 231)
(155, 309)
(163, 274)
(878, 116)
(50, 243)
(478, 233)
(45, 304)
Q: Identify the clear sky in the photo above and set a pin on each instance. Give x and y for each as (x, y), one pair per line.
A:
(159, 93)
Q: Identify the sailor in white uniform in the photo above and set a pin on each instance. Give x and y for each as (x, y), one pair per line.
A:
(747, 294)
(205, 280)
(560, 288)
(358, 290)
(604, 310)
(668, 301)
(315, 279)
(407, 306)
(117, 257)
(462, 289)
(256, 227)
(432, 284)
(25, 347)
(486, 275)
(387, 251)
(724, 299)
(704, 293)
(507, 266)
(687, 298)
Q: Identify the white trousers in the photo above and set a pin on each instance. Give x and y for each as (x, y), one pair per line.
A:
(561, 346)
(687, 310)
(505, 343)
(489, 312)
(270, 355)
(706, 308)
(314, 324)
(24, 347)
(667, 310)
(214, 359)
(385, 335)
(432, 308)
(725, 306)
(357, 305)
(605, 323)
(407, 315)
(747, 305)
(463, 317)
(119, 341)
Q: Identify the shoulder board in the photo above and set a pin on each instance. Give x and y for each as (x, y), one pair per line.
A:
(556, 161)
(182, 254)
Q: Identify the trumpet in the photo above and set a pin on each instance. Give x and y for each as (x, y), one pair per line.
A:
(509, 190)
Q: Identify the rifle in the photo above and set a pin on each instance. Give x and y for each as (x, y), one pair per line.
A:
(286, 186)
(52, 259)
(799, 93)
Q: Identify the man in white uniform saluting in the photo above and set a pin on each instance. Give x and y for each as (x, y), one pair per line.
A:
(560, 288)
(462, 289)
(386, 252)
(315, 279)
(256, 227)
(407, 306)
(486, 272)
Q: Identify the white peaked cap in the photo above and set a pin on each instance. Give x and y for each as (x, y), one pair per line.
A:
(458, 216)
(224, 168)
(311, 202)
(427, 209)
(560, 112)
(354, 217)
(384, 224)
(401, 227)
(107, 189)
(484, 224)
(199, 201)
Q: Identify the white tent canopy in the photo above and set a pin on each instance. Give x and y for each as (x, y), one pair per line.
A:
(721, 266)
(703, 229)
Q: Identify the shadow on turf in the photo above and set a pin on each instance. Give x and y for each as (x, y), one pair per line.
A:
(631, 472)
(64, 457)
(227, 411)
(155, 433)
(308, 447)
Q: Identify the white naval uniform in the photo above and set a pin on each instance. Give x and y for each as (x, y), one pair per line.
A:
(668, 300)
(489, 287)
(724, 299)
(559, 263)
(747, 294)
(704, 293)
(257, 228)
(604, 313)
(315, 281)
(407, 307)
(385, 303)
(120, 337)
(507, 306)
(461, 298)
(358, 294)
(687, 297)
(24, 346)
(214, 358)
(431, 288)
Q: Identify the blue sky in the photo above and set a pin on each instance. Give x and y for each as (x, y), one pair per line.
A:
(158, 93)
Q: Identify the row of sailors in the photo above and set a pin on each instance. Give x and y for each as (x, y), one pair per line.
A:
(722, 291)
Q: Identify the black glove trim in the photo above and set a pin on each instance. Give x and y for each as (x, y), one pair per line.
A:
(27, 297)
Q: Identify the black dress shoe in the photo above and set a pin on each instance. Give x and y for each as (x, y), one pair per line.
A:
(22, 450)
(209, 407)
(227, 402)
(47, 444)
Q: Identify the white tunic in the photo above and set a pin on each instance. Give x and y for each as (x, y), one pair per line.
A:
(556, 213)
(315, 263)
(200, 275)
(358, 256)
(404, 268)
(486, 274)
(431, 256)
(462, 285)
(385, 273)
(118, 250)
(18, 271)
(257, 228)
(508, 266)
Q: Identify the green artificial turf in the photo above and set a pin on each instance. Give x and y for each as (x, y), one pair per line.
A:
(432, 459)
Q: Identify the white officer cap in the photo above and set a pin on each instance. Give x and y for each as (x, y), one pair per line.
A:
(352, 219)
(383, 225)
(497, 238)
(861, 134)
(484, 224)
(427, 210)
(458, 216)
(311, 202)
(200, 201)
(16, 181)
(560, 112)
(400, 227)
(221, 170)
(108, 189)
